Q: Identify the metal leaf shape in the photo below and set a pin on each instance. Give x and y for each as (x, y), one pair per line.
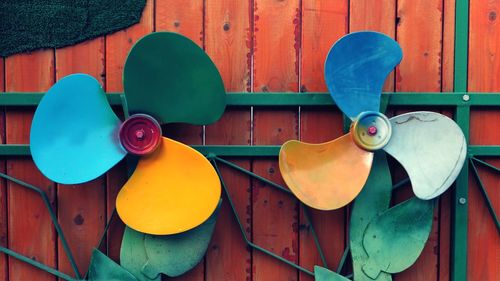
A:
(103, 268)
(395, 238)
(176, 254)
(323, 274)
(133, 254)
(372, 201)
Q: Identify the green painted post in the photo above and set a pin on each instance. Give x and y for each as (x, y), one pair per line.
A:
(462, 116)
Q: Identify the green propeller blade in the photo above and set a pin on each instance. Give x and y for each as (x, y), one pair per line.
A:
(103, 268)
(323, 274)
(133, 254)
(169, 77)
(373, 200)
(395, 238)
(174, 255)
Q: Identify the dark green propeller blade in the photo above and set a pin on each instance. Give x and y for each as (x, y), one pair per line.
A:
(169, 77)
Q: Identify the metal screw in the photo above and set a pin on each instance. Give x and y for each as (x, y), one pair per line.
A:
(372, 130)
(466, 97)
(462, 200)
(140, 134)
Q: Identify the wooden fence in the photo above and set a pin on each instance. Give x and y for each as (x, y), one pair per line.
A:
(258, 46)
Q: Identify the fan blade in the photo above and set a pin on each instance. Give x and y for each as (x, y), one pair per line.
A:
(169, 77)
(174, 255)
(394, 239)
(74, 133)
(172, 190)
(103, 268)
(325, 176)
(432, 149)
(356, 68)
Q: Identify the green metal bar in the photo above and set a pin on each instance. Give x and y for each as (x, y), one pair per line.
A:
(484, 150)
(460, 207)
(53, 217)
(461, 45)
(243, 232)
(36, 264)
(238, 168)
(300, 99)
(315, 236)
(485, 196)
(240, 150)
(486, 164)
(344, 258)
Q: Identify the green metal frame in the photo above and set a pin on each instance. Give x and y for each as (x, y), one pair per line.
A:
(460, 101)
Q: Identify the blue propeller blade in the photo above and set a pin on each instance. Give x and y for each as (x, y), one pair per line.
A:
(356, 68)
(74, 134)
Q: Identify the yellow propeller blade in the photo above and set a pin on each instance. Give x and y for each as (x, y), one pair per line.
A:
(172, 190)
(325, 176)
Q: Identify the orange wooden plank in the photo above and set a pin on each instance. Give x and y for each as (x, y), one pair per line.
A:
(81, 208)
(117, 47)
(376, 16)
(30, 229)
(323, 23)
(421, 40)
(3, 191)
(228, 257)
(276, 46)
(484, 66)
(277, 26)
(186, 18)
(227, 41)
(446, 86)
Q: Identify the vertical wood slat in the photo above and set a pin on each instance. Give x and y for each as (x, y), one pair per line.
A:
(82, 207)
(420, 70)
(30, 229)
(117, 47)
(377, 16)
(483, 241)
(227, 42)
(276, 67)
(447, 66)
(4, 273)
(186, 19)
(322, 24)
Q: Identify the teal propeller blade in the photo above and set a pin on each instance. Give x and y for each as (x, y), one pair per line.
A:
(356, 68)
(395, 238)
(74, 133)
(169, 77)
(103, 268)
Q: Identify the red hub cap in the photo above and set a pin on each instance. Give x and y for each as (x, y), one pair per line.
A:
(140, 134)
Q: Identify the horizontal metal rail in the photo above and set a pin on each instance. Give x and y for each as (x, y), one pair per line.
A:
(298, 99)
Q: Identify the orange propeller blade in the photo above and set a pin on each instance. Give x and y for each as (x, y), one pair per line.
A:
(172, 190)
(325, 176)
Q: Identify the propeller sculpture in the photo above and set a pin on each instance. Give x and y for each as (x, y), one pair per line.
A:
(430, 146)
(76, 137)
(327, 176)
